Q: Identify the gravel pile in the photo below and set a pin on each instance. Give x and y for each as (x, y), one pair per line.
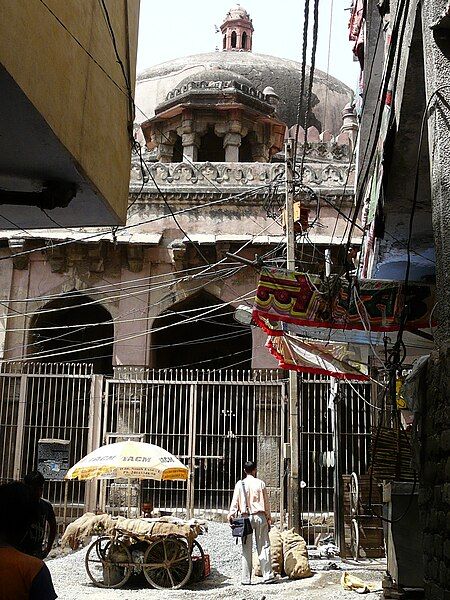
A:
(72, 583)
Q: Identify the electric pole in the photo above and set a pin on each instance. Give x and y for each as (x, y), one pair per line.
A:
(334, 408)
(293, 487)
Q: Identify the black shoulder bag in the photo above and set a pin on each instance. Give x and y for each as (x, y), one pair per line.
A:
(241, 527)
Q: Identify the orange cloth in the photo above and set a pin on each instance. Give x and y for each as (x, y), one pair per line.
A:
(257, 498)
(17, 572)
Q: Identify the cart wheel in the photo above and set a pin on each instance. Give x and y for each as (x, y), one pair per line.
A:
(103, 563)
(167, 563)
(198, 562)
(354, 539)
(354, 494)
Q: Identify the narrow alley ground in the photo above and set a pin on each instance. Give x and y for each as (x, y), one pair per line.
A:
(72, 583)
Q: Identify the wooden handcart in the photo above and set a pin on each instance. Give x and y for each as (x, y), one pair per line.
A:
(166, 561)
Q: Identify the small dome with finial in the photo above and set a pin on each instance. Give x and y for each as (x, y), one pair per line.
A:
(237, 12)
(237, 30)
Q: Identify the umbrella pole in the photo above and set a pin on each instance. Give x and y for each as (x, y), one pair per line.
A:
(66, 492)
(129, 498)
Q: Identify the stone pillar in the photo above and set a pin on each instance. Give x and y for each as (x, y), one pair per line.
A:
(165, 153)
(349, 124)
(261, 153)
(434, 478)
(191, 143)
(231, 143)
(165, 141)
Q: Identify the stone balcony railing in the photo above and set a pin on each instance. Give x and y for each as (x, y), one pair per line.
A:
(213, 178)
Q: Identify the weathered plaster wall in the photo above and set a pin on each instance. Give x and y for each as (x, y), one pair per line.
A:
(6, 268)
(283, 75)
(134, 306)
(435, 479)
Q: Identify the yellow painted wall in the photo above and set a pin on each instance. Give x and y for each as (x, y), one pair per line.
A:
(85, 110)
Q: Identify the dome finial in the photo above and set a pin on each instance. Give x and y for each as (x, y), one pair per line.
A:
(237, 30)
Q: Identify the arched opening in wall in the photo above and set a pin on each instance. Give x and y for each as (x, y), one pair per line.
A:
(244, 41)
(73, 329)
(178, 150)
(245, 150)
(233, 39)
(211, 147)
(224, 42)
(195, 340)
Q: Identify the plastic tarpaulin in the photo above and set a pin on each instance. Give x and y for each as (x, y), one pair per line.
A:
(309, 356)
(371, 305)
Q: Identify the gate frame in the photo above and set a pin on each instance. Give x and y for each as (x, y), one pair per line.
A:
(188, 378)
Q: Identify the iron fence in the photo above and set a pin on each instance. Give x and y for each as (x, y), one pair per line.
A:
(212, 420)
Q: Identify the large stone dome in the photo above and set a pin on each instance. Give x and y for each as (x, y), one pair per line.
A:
(215, 73)
(329, 94)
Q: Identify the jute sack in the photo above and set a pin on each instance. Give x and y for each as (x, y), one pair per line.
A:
(295, 554)
(293, 540)
(87, 525)
(256, 565)
(296, 564)
(276, 550)
(276, 554)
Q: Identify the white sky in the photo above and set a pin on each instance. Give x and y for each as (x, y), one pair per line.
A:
(174, 28)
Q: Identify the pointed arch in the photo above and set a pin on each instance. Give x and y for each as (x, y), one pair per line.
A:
(195, 334)
(72, 328)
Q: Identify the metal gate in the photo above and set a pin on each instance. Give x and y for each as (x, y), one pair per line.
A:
(211, 420)
(319, 446)
(51, 401)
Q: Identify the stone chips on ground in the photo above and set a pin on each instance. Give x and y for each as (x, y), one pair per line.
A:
(143, 529)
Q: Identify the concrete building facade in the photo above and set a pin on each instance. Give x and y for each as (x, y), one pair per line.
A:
(403, 185)
(66, 111)
(209, 182)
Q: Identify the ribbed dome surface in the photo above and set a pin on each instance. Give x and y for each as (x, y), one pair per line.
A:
(215, 74)
(329, 94)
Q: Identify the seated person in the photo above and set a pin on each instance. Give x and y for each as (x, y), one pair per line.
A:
(22, 577)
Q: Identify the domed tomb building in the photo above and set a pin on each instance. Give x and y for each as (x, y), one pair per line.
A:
(160, 292)
(329, 94)
(209, 183)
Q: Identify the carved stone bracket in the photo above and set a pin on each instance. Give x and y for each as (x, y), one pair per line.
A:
(221, 249)
(17, 246)
(56, 257)
(135, 257)
(177, 252)
(96, 262)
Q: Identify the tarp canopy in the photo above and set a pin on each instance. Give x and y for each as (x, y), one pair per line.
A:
(371, 304)
(321, 358)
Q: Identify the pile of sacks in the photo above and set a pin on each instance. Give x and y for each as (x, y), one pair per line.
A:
(288, 553)
(90, 524)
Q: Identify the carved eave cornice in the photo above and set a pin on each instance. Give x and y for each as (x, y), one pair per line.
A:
(215, 93)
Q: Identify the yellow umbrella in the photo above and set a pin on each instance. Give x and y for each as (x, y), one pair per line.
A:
(130, 460)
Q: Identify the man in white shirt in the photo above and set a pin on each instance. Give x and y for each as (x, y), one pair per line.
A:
(255, 505)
